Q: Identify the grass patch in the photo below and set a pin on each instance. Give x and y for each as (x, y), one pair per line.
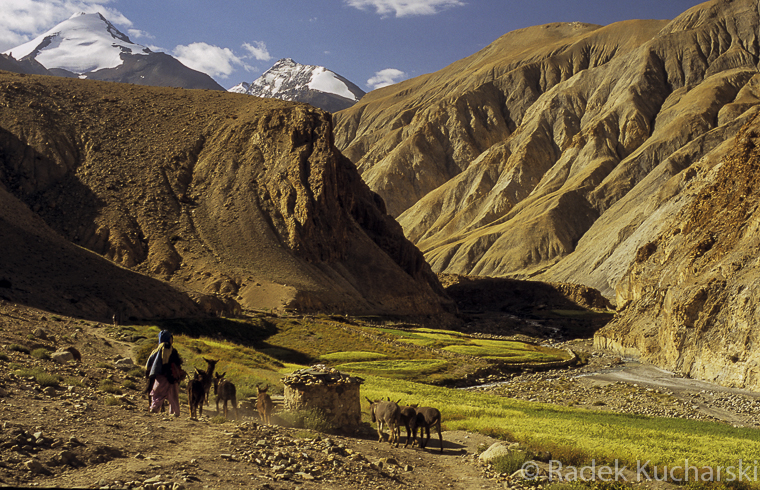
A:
(511, 462)
(71, 381)
(136, 372)
(18, 348)
(396, 368)
(508, 351)
(502, 350)
(108, 386)
(219, 419)
(312, 419)
(129, 384)
(351, 356)
(105, 365)
(111, 401)
(41, 377)
(41, 353)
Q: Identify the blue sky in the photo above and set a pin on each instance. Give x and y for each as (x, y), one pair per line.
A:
(370, 42)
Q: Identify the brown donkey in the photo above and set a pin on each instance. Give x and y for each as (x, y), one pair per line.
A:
(208, 379)
(195, 394)
(386, 413)
(426, 418)
(224, 391)
(264, 405)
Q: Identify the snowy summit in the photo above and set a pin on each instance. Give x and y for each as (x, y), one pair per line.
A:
(89, 46)
(316, 85)
(83, 43)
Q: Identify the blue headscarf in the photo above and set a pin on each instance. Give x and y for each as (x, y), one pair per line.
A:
(160, 355)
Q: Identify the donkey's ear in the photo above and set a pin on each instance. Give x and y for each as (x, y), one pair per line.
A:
(370, 401)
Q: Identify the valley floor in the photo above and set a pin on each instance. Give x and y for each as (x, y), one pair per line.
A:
(70, 436)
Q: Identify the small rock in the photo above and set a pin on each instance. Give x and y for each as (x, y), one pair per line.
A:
(496, 450)
(124, 364)
(62, 357)
(36, 467)
(40, 333)
(67, 457)
(389, 461)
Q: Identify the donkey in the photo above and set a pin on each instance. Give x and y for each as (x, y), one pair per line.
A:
(406, 417)
(264, 405)
(426, 418)
(225, 390)
(195, 394)
(209, 378)
(385, 412)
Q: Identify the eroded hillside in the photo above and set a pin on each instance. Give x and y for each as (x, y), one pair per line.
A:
(548, 153)
(689, 302)
(148, 201)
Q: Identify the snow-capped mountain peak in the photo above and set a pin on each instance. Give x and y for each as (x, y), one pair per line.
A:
(289, 80)
(82, 43)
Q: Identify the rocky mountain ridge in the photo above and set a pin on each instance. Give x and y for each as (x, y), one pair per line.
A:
(159, 202)
(573, 153)
(315, 85)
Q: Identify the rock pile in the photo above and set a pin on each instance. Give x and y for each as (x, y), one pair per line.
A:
(319, 374)
(282, 457)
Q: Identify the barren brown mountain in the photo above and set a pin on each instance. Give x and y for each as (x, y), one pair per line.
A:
(567, 152)
(148, 201)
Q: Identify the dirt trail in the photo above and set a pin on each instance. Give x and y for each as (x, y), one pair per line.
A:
(704, 397)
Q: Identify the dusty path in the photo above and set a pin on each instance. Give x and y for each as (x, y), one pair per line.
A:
(732, 405)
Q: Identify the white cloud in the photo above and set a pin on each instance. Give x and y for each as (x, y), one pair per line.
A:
(22, 20)
(210, 59)
(258, 50)
(403, 8)
(137, 34)
(386, 77)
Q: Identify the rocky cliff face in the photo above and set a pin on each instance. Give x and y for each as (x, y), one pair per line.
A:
(581, 153)
(222, 198)
(688, 301)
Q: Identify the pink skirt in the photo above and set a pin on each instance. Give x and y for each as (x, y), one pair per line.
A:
(163, 390)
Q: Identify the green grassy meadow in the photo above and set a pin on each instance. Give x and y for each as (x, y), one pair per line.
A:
(577, 436)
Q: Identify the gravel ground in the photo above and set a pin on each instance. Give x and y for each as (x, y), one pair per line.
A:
(611, 383)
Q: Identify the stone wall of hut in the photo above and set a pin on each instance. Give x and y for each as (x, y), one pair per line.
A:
(339, 401)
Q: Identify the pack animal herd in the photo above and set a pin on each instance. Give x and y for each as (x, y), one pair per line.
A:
(199, 386)
(385, 413)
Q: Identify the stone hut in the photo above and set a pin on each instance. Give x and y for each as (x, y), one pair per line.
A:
(334, 393)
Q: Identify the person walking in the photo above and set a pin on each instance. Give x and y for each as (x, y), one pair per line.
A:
(164, 371)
